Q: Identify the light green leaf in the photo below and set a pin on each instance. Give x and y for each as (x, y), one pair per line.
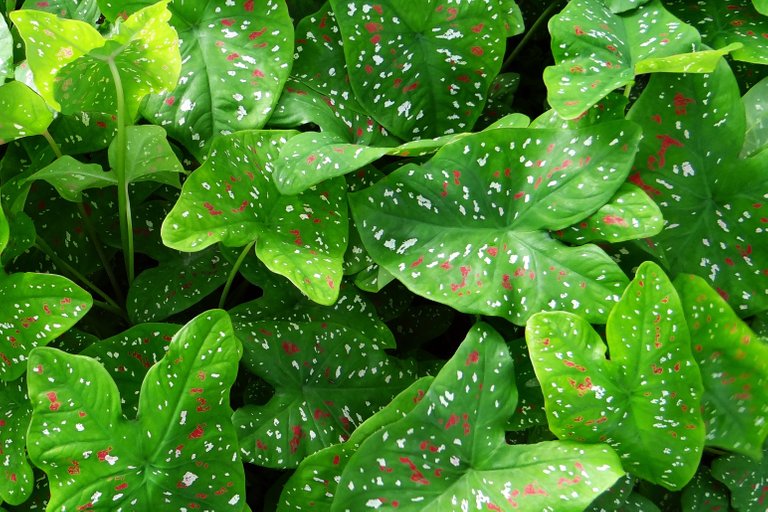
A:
(756, 109)
(148, 156)
(24, 112)
(16, 477)
(6, 50)
(704, 61)
(70, 177)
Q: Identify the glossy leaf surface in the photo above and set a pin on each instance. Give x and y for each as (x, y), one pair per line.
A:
(756, 109)
(24, 112)
(16, 477)
(70, 177)
(149, 156)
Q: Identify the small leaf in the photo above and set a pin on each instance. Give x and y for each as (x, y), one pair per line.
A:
(149, 157)
(24, 112)
(16, 477)
(745, 477)
(704, 494)
(70, 177)
(704, 61)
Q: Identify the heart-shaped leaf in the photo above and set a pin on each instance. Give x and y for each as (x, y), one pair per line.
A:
(644, 401)
(24, 112)
(449, 452)
(232, 199)
(16, 477)
(390, 46)
(713, 202)
(468, 228)
(704, 494)
(182, 449)
(734, 369)
(746, 478)
(148, 156)
(756, 109)
(597, 51)
(70, 177)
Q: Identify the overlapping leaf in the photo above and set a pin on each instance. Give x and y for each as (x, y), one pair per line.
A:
(713, 202)
(597, 51)
(734, 369)
(468, 228)
(422, 70)
(16, 477)
(148, 156)
(704, 494)
(645, 400)
(6, 50)
(756, 109)
(449, 452)
(232, 199)
(70, 177)
(84, 10)
(24, 112)
(182, 439)
(745, 477)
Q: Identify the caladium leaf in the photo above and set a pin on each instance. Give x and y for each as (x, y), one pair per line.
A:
(734, 369)
(5, 232)
(724, 23)
(6, 50)
(16, 477)
(745, 477)
(148, 156)
(181, 440)
(389, 47)
(468, 228)
(713, 203)
(449, 452)
(70, 177)
(24, 112)
(84, 10)
(619, 6)
(651, 380)
(73, 64)
(313, 484)
(704, 493)
(703, 61)
(231, 199)
(761, 6)
(597, 51)
(84, 132)
(756, 109)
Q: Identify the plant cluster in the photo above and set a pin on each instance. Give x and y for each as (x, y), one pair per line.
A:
(391, 255)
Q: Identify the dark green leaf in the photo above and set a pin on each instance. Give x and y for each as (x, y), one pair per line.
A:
(746, 478)
(70, 177)
(705, 494)
(84, 132)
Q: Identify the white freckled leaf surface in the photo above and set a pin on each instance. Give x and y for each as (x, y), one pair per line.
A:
(705, 494)
(449, 452)
(469, 228)
(149, 156)
(756, 109)
(24, 112)
(734, 369)
(70, 177)
(619, 6)
(596, 51)
(182, 439)
(84, 10)
(745, 477)
(6, 50)
(232, 199)
(16, 478)
(644, 401)
(715, 204)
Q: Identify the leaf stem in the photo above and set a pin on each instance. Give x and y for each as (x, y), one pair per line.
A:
(123, 198)
(233, 273)
(106, 306)
(543, 17)
(628, 89)
(54, 146)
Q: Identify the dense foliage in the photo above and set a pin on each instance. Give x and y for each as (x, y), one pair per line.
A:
(349, 255)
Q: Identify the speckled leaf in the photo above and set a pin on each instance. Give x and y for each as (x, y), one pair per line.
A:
(313, 485)
(500, 97)
(703, 61)
(611, 499)
(24, 112)
(756, 109)
(6, 50)
(16, 477)
(619, 6)
(449, 452)
(723, 23)
(148, 156)
(530, 401)
(609, 108)
(35, 308)
(746, 478)
(644, 401)
(181, 451)
(704, 494)
(734, 369)
(329, 372)
(84, 10)
(129, 355)
(84, 132)
(232, 199)
(175, 285)
(629, 215)
(713, 203)
(390, 46)
(596, 51)
(468, 228)
(71, 61)
(70, 177)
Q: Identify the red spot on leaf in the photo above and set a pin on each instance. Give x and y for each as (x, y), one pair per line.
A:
(477, 51)
(477, 28)
(298, 435)
(372, 27)
(197, 432)
(228, 22)
(248, 6)
(290, 348)
(472, 358)
(612, 219)
(211, 209)
(232, 56)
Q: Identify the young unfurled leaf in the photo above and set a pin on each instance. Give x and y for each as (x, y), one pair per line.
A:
(745, 477)
(16, 477)
(149, 156)
(597, 51)
(24, 112)
(232, 199)
(712, 201)
(468, 228)
(644, 401)
(449, 452)
(181, 451)
(734, 369)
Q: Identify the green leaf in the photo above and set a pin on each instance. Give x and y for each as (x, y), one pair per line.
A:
(175, 285)
(704, 494)
(232, 199)
(712, 201)
(746, 478)
(16, 477)
(422, 70)
(5, 231)
(619, 6)
(756, 109)
(449, 452)
(734, 369)
(182, 439)
(6, 50)
(83, 132)
(35, 309)
(148, 156)
(83, 10)
(468, 228)
(645, 400)
(24, 112)
(597, 51)
(70, 177)
(704, 61)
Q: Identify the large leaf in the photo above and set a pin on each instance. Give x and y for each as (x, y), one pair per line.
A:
(449, 452)
(468, 228)
(645, 400)
(182, 449)
(712, 201)
(16, 476)
(232, 199)
(734, 369)
(84, 10)
(746, 478)
(422, 70)
(24, 112)
(597, 51)
(756, 109)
